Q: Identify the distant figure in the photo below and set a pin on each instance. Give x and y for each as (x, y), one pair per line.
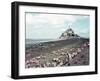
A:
(66, 59)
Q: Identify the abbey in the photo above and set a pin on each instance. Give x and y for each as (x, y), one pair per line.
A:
(69, 33)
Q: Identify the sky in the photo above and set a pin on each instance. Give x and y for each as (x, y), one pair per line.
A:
(51, 26)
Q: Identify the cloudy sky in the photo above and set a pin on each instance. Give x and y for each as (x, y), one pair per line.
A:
(51, 26)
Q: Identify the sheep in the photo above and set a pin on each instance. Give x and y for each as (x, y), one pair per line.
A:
(38, 57)
(43, 57)
(54, 52)
(79, 50)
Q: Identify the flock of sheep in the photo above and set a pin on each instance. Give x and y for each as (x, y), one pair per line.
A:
(62, 57)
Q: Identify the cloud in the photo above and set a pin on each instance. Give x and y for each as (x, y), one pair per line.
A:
(39, 24)
(53, 20)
